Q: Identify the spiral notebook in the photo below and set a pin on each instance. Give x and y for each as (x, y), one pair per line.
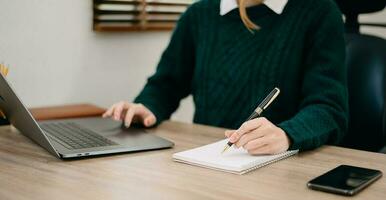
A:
(236, 161)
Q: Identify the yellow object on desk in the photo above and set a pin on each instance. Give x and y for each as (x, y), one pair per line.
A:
(4, 71)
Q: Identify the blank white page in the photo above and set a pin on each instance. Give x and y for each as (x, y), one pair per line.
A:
(233, 160)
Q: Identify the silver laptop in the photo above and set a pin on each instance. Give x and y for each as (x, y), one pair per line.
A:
(73, 138)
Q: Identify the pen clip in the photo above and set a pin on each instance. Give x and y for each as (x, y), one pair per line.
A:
(268, 100)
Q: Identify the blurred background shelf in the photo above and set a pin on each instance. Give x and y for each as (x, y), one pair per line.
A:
(137, 15)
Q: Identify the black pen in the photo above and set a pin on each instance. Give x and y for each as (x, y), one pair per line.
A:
(257, 112)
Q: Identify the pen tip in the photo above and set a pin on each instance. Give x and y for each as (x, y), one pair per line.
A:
(225, 148)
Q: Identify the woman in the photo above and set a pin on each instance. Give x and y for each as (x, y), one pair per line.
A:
(230, 58)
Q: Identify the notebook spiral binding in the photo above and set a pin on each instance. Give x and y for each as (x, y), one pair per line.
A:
(285, 155)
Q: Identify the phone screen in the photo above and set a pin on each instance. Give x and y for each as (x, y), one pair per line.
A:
(345, 179)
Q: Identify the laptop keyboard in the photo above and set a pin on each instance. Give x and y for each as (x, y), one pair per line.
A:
(73, 136)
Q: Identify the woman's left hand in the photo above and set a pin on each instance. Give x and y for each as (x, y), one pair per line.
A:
(259, 136)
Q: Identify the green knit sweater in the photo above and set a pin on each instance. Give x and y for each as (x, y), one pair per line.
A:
(229, 71)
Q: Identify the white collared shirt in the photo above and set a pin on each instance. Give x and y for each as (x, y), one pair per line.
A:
(276, 5)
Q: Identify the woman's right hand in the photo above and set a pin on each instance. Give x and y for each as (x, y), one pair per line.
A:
(131, 113)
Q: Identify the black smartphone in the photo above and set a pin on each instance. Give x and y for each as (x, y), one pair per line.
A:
(345, 180)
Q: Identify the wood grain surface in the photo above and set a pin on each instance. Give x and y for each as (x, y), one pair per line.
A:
(29, 172)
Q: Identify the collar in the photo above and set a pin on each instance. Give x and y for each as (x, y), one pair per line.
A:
(276, 5)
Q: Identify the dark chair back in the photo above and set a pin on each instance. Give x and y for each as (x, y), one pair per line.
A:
(366, 62)
(384, 130)
(384, 118)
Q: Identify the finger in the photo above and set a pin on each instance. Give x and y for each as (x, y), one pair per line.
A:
(263, 150)
(149, 120)
(138, 111)
(129, 117)
(109, 112)
(250, 136)
(256, 143)
(143, 113)
(247, 127)
(268, 149)
(117, 113)
(228, 133)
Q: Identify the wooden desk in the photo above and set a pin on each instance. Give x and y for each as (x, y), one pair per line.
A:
(29, 172)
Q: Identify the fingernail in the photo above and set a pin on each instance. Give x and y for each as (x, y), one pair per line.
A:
(127, 125)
